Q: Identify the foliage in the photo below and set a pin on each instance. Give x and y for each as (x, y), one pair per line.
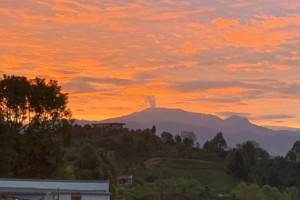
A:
(153, 129)
(32, 105)
(30, 156)
(8, 154)
(135, 150)
(216, 147)
(178, 139)
(167, 138)
(33, 126)
(254, 192)
(93, 165)
(236, 165)
(39, 156)
(294, 153)
(188, 138)
(172, 188)
(249, 154)
(208, 173)
(130, 148)
(249, 162)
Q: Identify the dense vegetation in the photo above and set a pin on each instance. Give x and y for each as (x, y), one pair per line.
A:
(34, 126)
(38, 140)
(215, 168)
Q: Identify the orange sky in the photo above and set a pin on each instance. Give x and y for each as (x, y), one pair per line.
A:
(116, 57)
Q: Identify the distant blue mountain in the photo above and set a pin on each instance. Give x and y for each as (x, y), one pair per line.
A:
(235, 129)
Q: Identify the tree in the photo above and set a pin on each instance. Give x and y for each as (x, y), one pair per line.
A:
(39, 156)
(248, 151)
(275, 180)
(93, 165)
(254, 192)
(249, 192)
(216, 145)
(188, 142)
(271, 193)
(14, 92)
(188, 138)
(34, 122)
(218, 141)
(178, 139)
(32, 105)
(167, 138)
(207, 146)
(8, 154)
(153, 129)
(294, 153)
(236, 164)
(293, 193)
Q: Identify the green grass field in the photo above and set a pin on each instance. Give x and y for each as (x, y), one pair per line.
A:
(207, 173)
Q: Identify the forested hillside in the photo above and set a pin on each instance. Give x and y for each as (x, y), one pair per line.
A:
(217, 170)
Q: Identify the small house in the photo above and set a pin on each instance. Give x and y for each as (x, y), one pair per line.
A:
(109, 125)
(125, 179)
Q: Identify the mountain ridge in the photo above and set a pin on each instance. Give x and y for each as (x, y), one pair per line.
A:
(235, 129)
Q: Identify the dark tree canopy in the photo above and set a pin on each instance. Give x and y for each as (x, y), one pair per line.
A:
(34, 123)
(167, 138)
(237, 165)
(217, 143)
(14, 92)
(31, 104)
(248, 150)
(294, 153)
(188, 138)
(178, 138)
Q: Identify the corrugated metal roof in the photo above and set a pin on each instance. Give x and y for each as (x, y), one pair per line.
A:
(34, 191)
(54, 180)
(53, 185)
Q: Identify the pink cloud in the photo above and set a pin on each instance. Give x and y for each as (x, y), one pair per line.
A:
(64, 8)
(225, 22)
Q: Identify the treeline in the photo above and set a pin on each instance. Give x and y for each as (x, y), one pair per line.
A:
(254, 192)
(190, 189)
(172, 188)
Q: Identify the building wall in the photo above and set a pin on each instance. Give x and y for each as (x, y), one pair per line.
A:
(31, 197)
(95, 197)
(64, 196)
(47, 197)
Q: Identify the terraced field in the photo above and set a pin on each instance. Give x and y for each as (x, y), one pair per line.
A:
(209, 174)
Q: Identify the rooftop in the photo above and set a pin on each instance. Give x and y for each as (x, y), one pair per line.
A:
(31, 186)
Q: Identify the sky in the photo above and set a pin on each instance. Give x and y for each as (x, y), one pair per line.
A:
(223, 57)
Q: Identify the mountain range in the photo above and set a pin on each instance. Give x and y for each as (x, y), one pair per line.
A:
(235, 129)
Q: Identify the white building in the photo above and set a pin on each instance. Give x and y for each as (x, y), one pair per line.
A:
(23, 189)
(113, 125)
